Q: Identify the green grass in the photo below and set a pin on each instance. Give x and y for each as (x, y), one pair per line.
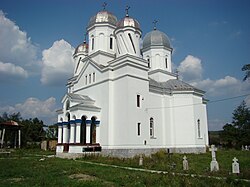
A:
(23, 168)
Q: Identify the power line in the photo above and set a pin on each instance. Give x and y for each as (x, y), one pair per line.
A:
(213, 101)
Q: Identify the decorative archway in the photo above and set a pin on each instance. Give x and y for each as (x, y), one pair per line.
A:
(93, 130)
(83, 130)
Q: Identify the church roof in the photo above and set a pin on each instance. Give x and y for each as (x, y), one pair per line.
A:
(173, 85)
(79, 97)
(156, 38)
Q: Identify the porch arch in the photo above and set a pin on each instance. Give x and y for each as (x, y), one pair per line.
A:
(83, 130)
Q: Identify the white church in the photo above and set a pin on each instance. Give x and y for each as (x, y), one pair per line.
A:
(124, 98)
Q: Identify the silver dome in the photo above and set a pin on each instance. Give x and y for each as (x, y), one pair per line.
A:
(128, 22)
(82, 48)
(156, 38)
(103, 17)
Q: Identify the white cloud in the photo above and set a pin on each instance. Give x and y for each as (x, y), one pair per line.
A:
(58, 64)
(227, 86)
(190, 68)
(15, 47)
(191, 71)
(33, 107)
(9, 71)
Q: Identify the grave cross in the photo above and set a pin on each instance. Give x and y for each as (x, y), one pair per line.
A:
(213, 149)
(185, 163)
(235, 166)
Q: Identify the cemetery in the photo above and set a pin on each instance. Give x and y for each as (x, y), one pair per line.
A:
(161, 168)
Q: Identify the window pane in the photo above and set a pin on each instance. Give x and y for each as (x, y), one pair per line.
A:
(138, 100)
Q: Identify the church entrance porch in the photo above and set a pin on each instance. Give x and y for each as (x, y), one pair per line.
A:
(79, 135)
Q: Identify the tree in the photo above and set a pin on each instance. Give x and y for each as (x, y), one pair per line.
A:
(247, 69)
(238, 133)
(31, 131)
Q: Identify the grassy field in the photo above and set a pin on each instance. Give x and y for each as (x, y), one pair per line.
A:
(23, 168)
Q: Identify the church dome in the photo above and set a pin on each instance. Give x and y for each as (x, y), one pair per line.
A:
(128, 22)
(103, 17)
(83, 47)
(156, 38)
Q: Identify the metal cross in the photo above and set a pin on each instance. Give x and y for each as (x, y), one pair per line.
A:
(155, 22)
(127, 8)
(85, 37)
(104, 5)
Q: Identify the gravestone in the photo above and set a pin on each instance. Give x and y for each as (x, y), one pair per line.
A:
(242, 148)
(140, 160)
(235, 166)
(214, 166)
(246, 148)
(185, 163)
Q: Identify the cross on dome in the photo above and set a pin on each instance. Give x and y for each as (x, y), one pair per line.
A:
(127, 8)
(155, 22)
(104, 5)
(85, 37)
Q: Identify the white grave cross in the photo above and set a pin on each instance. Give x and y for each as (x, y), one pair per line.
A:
(185, 163)
(213, 149)
(214, 166)
(235, 166)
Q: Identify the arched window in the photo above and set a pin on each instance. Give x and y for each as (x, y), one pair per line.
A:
(93, 42)
(94, 77)
(166, 62)
(89, 78)
(111, 43)
(148, 59)
(151, 127)
(67, 105)
(198, 128)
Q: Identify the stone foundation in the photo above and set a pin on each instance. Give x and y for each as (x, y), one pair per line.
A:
(129, 153)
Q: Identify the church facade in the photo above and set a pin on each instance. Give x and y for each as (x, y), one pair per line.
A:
(124, 98)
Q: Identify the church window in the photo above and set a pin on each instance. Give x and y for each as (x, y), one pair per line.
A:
(94, 77)
(86, 79)
(129, 35)
(138, 129)
(148, 62)
(67, 105)
(199, 128)
(138, 100)
(89, 78)
(151, 127)
(166, 62)
(111, 43)
(93, 43)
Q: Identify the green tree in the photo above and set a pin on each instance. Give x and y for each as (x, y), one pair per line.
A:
(31, 131)
(246, 68)
(238, 133)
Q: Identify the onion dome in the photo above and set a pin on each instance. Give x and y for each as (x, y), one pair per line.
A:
(103, 17)
(156, 38)
(128, 22)
(82, 48)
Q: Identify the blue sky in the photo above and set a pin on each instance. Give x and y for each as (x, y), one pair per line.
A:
(211, 42)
